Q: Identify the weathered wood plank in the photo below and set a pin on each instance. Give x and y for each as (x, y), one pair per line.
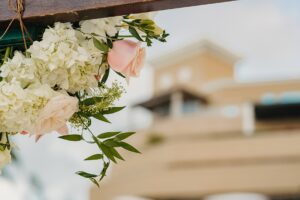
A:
(49, 11)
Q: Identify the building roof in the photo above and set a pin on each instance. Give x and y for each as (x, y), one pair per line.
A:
(194, 49)
(165, 98)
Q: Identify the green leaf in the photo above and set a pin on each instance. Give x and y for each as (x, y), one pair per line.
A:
(137, 21)
(94, 157)
(107, 134)
(2, 147)
(149, 42)
(71, 137)
(135, 34)
(105, 77)
(91, 101)
(103, 172)
(120, 74)
(106, 151)
(123, 136)
(89, 122)
(148, 22)
(148, 28)
(86, 175)
(95, 182)
(100, 45)
(116, 153)
(109, 43)
(112, 110)
(128, 147)
(111, 143)
(101, 117)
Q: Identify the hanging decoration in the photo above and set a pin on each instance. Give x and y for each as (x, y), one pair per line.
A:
(60, 82)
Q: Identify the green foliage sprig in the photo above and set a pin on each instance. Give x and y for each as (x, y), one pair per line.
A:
(145, 30)
(97, 104)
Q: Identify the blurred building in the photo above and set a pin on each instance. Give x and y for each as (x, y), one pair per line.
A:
(211, 134)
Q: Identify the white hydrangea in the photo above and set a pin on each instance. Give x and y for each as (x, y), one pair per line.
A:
(20, 107)
(20, 68)
(66, 59)
(101, 27)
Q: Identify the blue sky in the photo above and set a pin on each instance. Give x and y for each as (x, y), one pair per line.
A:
(265, 33)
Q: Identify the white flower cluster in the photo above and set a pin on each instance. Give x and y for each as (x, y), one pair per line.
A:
(65, 59)
(102, 27)
(19, 108)
(21, 69)
(62, 60)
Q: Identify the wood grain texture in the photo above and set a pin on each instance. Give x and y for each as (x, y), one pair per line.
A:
(49, 11)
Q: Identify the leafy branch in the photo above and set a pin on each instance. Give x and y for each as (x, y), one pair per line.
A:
(145, 30)
(99, 105)
(108, 143)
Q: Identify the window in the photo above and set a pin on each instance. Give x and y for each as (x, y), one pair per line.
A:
(190, 106)
(284, 98)
(290, 111)
(268, 99)
(290, 97)
(162, 110)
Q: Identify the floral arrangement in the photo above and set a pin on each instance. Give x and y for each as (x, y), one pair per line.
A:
(62, 79)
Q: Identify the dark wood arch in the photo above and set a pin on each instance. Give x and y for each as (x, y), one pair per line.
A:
(49, 11)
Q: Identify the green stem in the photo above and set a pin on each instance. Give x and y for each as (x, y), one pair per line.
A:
(130, 36)
(7, 142)
(103, 161)
(87, 128)
(125, 36)
(7, 53)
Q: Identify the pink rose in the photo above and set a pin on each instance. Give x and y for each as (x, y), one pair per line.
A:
(55, 115)
(126, 57)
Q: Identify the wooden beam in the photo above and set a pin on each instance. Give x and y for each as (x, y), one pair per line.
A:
(49, 11)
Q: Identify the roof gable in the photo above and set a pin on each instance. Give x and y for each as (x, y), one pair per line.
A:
(195, 49)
